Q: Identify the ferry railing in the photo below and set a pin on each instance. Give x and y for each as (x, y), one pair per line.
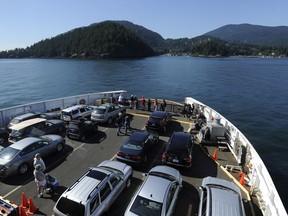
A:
(55, 104)
(260, 181)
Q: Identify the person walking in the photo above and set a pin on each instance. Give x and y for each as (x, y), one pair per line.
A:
(40, 180)
(39, 161)
(127, 123)
(119, 122)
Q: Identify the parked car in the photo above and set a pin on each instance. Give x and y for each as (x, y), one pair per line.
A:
(220, 197)
(36, 127)
(4, 135)
(18, 157)
(158, 193)
(158, 120)
(76, 112)
(137, 146)
(106, 113)
(179, 149)
(23, 117)
(95, 191)
(81, 129)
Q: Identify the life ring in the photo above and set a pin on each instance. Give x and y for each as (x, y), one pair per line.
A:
(82, 101)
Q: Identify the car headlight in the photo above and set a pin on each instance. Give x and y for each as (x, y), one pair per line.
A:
(3, 169)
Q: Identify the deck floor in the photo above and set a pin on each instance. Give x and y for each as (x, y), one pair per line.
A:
(70, 164)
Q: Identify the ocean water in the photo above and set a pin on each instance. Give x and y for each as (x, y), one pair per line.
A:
(251, 92)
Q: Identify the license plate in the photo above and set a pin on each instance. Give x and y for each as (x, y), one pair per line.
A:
(175, 161)
(126, 156)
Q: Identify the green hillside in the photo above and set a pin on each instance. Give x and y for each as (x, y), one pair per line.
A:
(123, 39)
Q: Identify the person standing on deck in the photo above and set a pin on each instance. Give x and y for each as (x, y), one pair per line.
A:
(39, 161)
(40, 180)
(155, 104)
(149, 105)
(143, 101)
(164, 104)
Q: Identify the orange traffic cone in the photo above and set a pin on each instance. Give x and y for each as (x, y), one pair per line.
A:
(242, 179)
(32, 209)
(24, 201)
(22, 211)
(215, 155)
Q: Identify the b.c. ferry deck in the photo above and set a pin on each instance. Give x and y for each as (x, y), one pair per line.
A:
(210, 158)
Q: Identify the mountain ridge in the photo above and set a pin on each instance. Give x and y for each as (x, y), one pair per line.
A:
(252, 34)
(124, 39)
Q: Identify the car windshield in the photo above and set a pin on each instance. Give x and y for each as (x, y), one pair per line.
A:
(16, 133)
(8, 153)
(99, 110)
(15, 121)
(155, 119)
(179, 142)
(143, 206)
(135, 145)
(163, 175)
(70, 207)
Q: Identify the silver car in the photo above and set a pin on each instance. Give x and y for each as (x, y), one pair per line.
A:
(95, 191)
(18, 157)
(158, 193)
(220, 197)
(105, 113)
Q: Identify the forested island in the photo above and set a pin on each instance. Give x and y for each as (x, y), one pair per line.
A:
(123, 39)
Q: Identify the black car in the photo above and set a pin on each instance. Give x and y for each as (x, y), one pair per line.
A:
(135, 148)
(179, 150)
(158, 120)
(81, 129)
(4, 135)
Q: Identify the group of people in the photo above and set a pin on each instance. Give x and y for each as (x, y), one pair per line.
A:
(39, 175)
(188, 110)
(134, 104)
(123, 119)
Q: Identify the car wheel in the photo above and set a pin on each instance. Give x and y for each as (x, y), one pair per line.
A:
(83, 138)
(23, 168)
(128, 182)
(110, 120)
(59, 147)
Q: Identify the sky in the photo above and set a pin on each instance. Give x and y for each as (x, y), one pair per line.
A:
(25, 22)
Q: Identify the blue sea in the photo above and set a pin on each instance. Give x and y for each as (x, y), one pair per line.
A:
(251, 92)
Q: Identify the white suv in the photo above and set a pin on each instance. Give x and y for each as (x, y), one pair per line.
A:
(76, 112)
(95, 191)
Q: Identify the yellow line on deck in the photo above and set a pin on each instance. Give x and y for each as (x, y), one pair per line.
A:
(144, 115)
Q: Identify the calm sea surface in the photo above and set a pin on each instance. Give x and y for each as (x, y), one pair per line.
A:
(251, 92)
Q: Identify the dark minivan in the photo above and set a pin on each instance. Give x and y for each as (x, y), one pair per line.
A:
(158, 121)
(179, 149)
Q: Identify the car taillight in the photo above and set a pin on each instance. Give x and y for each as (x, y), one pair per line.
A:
(164, 155)
(147, 120)
(120, 154)
(188, 159)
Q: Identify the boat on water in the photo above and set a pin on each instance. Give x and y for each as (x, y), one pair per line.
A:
(220, 150)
